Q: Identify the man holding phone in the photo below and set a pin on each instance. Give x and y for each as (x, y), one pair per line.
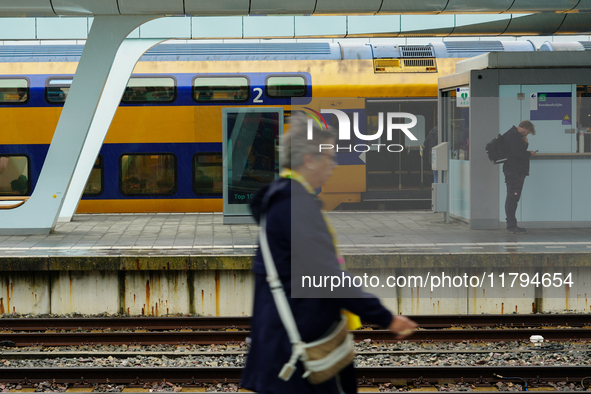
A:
(516, 168)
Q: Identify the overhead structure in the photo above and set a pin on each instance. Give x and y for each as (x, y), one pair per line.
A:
(326, 26)
(273, 7)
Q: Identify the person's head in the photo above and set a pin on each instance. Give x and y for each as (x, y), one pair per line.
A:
(526, 127)
(312, 158)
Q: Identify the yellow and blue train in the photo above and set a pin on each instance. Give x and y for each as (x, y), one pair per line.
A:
(163, 151)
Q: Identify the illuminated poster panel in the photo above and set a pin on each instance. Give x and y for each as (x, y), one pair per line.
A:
(252, 137)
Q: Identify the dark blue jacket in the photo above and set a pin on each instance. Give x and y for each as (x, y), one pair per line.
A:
(291, 212)
(517, 153)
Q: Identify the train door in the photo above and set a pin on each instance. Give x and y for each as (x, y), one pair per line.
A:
(396, 173)
(250, 157)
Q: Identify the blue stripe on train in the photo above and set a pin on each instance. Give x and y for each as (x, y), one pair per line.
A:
(184, 82)
(111, 156)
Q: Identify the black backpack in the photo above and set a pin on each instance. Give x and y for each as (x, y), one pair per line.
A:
(496, 149)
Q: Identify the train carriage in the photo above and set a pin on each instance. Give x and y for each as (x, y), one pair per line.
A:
(163, 151)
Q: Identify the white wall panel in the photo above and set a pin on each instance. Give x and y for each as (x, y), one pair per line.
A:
(174, 27)
(217, 27)
(535, 24)
(437, 24)
(331, 26)
(62, 28)
(18, 29)
(481, 23)
(374, 26)
(269, 26)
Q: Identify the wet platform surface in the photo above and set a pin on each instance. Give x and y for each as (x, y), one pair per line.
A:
(360, 233)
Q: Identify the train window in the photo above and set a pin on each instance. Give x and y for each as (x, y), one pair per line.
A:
(57, 90)
(220, 89)
(285, 87)
(14, 175)
(150, 90)
(14, 90)
(207, 174)
(147, 174)
(94, 186)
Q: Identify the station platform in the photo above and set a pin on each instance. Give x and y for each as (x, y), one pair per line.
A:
(163, 264)
(196, 234)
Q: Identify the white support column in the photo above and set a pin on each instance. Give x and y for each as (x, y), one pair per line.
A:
(39, 214)
(125, 60)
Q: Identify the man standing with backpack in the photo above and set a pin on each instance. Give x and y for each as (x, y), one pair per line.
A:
(516, 168)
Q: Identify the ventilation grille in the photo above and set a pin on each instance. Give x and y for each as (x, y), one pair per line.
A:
(172, 51)
(472, 48)
(405, 65)
(419, 62)
(586, 45)
(416, 51)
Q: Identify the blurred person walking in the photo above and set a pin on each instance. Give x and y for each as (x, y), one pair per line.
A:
(302, 241)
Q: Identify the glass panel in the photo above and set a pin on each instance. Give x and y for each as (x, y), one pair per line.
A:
(14, 176)
(286, 87)
(142, 90)
(14, 90)
(57, 90)
(147, 174)
(583, 118)
(94, 186)
(220, 89)
(207, 176)
(456, 127)
(253, 158)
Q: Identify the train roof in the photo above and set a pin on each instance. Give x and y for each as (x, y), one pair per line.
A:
(273, 51)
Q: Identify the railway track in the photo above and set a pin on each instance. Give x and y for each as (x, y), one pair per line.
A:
(21, 339)
(243, 323)
(195, 376)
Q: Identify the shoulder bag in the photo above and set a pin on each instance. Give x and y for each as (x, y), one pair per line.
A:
(323, 358)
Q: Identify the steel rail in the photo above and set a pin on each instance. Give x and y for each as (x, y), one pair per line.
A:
(211, 323)
(417, 376)
(223, 337)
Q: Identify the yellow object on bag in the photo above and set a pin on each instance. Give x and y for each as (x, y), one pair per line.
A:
(353, 321)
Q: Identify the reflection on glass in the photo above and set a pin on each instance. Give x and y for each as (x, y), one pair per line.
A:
(142, 90)
(14, 180)
(57, 90)
(14, 90)
(252, 148)
(94, 186)
(457, 127)
(584, 118)
(207, 175)
(148, 174)
(220, 89)
(286, 87)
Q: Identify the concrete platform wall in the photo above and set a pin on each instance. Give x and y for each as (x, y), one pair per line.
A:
(229, 292)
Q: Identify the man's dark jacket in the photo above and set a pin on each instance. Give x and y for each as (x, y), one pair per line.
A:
(290, 209)
(517, 153)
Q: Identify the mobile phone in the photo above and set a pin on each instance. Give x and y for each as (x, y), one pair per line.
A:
(536, 151)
